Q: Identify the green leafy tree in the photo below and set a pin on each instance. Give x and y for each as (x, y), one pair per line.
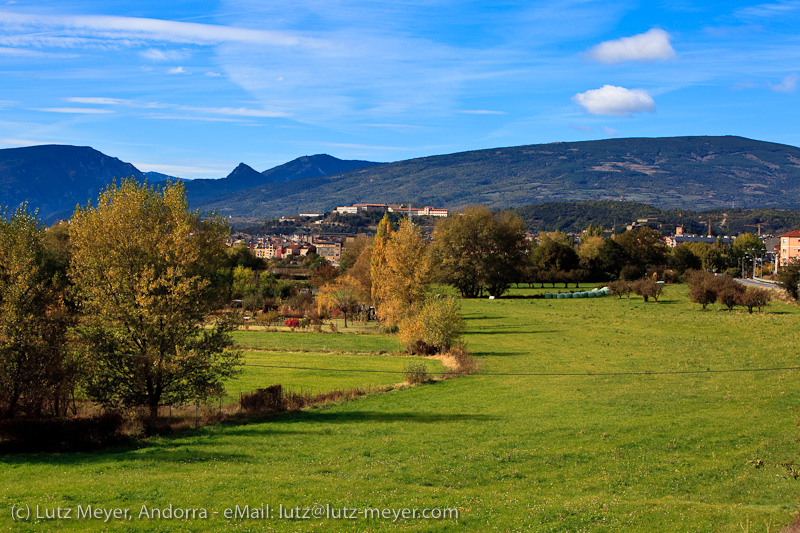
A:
(682, 259)
(788, 277)
(244, 282)
(591, 231)
(644, 247)
(461, 245)
(748, 243)
(611, 258)
(143, 265)
(37, 371)
(506, 260)
(554, 255)
(477, 250)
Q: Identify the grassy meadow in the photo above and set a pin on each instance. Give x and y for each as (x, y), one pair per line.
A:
(569, 427)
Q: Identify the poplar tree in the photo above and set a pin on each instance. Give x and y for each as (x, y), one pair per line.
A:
(406, 275)
(378, 258)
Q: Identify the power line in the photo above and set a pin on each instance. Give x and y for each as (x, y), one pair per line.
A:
(542, 374)
(511, 374)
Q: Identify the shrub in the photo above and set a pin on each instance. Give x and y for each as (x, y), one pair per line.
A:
(264, 400)
(292, 323)
(728, 296)
(647, 288)
(271, 317)
(702, 294)
(620, 287)
(754, 298)
(416, 372)
(435, 327)
(463, 362)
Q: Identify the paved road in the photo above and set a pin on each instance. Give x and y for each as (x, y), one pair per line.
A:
(758, 283)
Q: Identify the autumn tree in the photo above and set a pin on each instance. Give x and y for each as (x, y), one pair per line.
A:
(360, 273)
(405, 276)
(37, 371)
(144, 265)
(434, 328)
(340, 294)
(378, 258)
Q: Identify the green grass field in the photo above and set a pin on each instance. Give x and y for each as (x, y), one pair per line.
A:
(569, 428)
(297, 371)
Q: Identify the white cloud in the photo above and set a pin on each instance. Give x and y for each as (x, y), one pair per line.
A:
(213, 74)
(610, 132)
(613, 100)
(178, 70)
(75, 110)
(787, 85)
(648, 46)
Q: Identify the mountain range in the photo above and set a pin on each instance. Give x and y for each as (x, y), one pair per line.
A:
(673, 172)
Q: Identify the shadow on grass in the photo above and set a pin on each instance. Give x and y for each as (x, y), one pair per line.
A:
(169, 448)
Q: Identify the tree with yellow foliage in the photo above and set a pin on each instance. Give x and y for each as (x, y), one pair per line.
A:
(405, 274)
(144, 267)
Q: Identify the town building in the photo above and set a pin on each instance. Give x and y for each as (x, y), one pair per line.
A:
(789, 247)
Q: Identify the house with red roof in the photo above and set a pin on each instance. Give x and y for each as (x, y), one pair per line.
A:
(789, 247)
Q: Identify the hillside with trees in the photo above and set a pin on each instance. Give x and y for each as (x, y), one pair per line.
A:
(671, 173)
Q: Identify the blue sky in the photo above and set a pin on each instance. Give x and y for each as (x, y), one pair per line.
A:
(191, 88)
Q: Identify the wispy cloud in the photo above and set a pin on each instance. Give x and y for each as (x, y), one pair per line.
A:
(649, 46)
(225, 111)
(75, 110)
(178, 70)
(97, 100)
(75, 31)
(182, 170)
(481, 112)
(159, 55)
(768, 10)
(787, 85)
(22, 52)
(615, 101)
